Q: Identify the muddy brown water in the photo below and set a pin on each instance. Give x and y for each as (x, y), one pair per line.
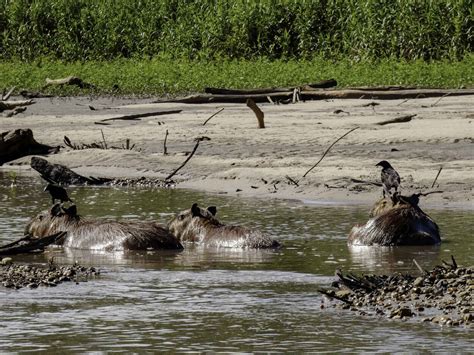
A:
(226, 300)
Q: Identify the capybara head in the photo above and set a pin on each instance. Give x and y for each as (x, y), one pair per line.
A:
(186, 224)
(56, 219)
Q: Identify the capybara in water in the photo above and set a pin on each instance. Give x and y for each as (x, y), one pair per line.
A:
(201, 226)
(85, 233)
(396, 221)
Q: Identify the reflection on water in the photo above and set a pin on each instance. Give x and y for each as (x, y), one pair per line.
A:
(216, 299)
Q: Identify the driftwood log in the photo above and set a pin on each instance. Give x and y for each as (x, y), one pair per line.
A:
(325, 84)
(10, 105)
(321, 95)
(62, 175)
(70, 80)
(19, 143)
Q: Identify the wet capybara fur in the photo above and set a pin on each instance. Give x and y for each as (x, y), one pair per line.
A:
(396, 221)
(201, 226)
(96, 234)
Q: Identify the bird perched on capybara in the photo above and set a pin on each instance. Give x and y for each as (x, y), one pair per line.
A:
(57, 193)
(97, 234)
(396, 221)
(390, 177)
(201, 226)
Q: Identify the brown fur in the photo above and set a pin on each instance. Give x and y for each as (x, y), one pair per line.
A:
(201, 226)
(396, 223)
(84, 233)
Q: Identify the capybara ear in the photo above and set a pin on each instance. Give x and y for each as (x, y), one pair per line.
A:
(195, 210)
(212, 209)
(71, 211)
(56, 210)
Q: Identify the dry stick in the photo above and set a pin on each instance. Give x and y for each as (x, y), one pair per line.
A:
(436, 178)
(222, 109)
(437, 101)
(292, 180)
(103, 138)
(327, 150)
(198, 140)
(419, 267)
(253, 106)
(140, 115)
(397, 120)
(165, 150)
(365, 182)
(8, 94)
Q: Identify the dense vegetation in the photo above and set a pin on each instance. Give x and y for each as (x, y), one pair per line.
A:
(80, 30)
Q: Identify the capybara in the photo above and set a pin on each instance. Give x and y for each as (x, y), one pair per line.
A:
(396, 221)
(201, 226)
(97, 234)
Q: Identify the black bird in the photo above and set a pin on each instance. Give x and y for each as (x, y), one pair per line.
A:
(390, 177)
(57, 193)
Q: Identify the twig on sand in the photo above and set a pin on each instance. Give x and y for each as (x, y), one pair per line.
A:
(137, 116)
(327, 150)
(357, 181)
(214, 114)
(103, 138)
(437, 101)
(436, 178)
(397, 120)
(294, 182)
(198, 140)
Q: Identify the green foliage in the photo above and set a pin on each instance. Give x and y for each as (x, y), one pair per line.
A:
(166, 76)
(80, 30)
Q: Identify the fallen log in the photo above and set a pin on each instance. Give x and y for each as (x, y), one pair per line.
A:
(19, 143)
(62, 175)
(28, 244)
(325, 84)
(320, 95)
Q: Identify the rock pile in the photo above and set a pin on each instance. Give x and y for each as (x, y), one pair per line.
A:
(443, 295)
(17, 276)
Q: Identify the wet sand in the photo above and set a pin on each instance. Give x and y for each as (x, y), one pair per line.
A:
(241, 159)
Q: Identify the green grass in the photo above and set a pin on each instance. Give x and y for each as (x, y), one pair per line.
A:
(165, 76)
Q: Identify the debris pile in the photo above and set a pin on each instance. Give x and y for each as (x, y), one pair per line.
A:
(443, 295)
(17, 276)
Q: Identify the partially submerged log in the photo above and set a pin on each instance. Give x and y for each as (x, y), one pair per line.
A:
(19, 143)
(62, 175)
(396, 221)
(28, 244)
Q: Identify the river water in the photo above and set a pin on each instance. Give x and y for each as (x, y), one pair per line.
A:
(218, 300)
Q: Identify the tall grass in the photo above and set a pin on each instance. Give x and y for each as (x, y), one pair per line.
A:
(82, 30)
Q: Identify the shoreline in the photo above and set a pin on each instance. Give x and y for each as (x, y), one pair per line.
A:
(261, 162)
